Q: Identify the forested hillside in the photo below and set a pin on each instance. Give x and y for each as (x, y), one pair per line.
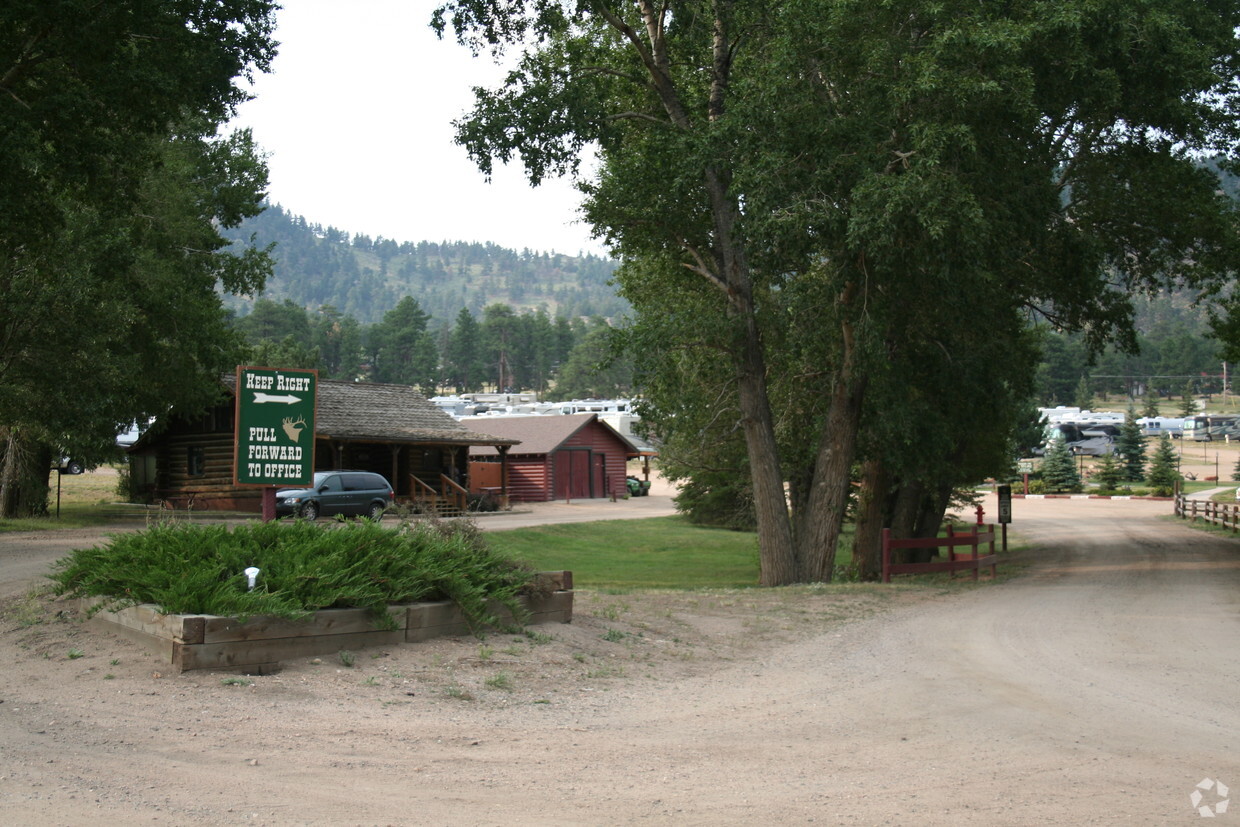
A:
(364, 277)
(1176, 350)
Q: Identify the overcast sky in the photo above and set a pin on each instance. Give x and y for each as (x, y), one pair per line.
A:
(356, 119)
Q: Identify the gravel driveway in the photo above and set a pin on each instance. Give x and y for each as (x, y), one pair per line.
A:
(1097, 686)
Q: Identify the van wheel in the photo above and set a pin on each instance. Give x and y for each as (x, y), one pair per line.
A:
(376, 511)
(310, 512)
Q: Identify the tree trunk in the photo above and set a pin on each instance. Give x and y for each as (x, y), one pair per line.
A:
(9, 464)
(873, 506)
(933, 507)
(904, 521)
(24, 472)
(819, 526)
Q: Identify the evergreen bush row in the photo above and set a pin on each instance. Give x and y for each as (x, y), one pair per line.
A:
(200, 569)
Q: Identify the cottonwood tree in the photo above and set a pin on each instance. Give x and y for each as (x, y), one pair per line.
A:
(876, 166)
(113, 189)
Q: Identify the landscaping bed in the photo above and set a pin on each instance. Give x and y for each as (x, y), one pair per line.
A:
(258, 644)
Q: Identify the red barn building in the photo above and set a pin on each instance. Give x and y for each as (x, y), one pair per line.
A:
(570, 457)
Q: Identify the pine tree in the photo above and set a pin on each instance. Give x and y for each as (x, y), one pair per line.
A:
(1059, 468)
(1151, 402)
(1109, 473)
(1083, 397)
(1188, 406)
(1130, 445)
(1163, 475)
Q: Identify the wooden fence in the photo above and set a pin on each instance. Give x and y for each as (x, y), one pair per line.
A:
(971, 560)
(1226, 515)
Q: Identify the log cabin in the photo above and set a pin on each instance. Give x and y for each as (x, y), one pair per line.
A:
(187, 462)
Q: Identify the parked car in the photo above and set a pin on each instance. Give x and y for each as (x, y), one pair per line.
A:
(333, 493)
(68, 465)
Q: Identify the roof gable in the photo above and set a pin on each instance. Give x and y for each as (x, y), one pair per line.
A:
(538, 434)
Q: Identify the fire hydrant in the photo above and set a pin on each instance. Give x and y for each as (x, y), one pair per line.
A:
(980, 514)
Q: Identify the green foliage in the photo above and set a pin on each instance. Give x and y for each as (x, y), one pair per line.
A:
(1163, 475)
(598, 368)
(1083, 398)
(1109, 474)
(114, 187)
(364, 278)
(835, 182)
(403, 351)
(1130, 446)
(1150, 403)
(199, 569)
(1059, 468)
(463, 367)
(1188, 405)
(717, 498)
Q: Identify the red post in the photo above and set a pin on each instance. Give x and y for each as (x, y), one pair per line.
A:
(269, 504)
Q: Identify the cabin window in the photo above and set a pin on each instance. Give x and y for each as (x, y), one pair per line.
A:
(196, 461)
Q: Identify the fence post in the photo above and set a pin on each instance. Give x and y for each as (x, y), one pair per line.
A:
(977, 556)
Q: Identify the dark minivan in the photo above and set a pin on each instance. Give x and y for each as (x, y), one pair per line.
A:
(345, 493)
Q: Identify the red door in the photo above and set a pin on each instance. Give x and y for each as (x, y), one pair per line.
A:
(598, 480)
(572, 474)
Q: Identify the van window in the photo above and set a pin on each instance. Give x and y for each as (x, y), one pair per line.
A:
(361, 482)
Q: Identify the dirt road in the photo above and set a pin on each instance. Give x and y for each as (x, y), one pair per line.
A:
(1097, 687)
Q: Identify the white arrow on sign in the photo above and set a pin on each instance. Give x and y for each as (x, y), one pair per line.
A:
(260, 398)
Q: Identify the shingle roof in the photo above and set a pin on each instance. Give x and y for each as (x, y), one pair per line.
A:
(388, 413)
(536, 434)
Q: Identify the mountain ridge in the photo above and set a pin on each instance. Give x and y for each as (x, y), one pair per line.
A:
(363, 277)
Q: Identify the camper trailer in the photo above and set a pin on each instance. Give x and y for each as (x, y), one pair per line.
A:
(1172, 426)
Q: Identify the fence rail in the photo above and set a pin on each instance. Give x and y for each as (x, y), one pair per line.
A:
(1226, 515)
(956, 560)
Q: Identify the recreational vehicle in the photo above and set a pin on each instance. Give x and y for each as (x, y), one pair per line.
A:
(1210, 427)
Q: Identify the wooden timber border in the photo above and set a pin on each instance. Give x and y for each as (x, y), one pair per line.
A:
(956, 560)
(188, 642)
(1226, 515)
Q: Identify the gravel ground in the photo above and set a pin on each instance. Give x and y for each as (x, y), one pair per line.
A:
(1095, 685)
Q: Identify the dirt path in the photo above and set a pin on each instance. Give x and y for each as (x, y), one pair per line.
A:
(1099, 686)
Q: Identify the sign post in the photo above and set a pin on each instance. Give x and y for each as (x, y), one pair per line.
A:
(1005, 510)
(1025, 467)
(275, 430)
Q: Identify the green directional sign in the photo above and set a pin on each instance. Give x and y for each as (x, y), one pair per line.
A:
(275, 426)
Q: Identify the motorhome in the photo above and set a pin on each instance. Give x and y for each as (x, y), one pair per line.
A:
(1211, 427)
(1087, 440)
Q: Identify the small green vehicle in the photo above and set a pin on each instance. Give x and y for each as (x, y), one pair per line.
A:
(638, 487)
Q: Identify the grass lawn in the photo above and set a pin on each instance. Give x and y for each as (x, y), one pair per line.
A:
(657, 553)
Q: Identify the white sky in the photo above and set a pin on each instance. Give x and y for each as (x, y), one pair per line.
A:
(356, 120)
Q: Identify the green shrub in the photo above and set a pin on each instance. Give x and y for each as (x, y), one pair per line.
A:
(187, 568)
